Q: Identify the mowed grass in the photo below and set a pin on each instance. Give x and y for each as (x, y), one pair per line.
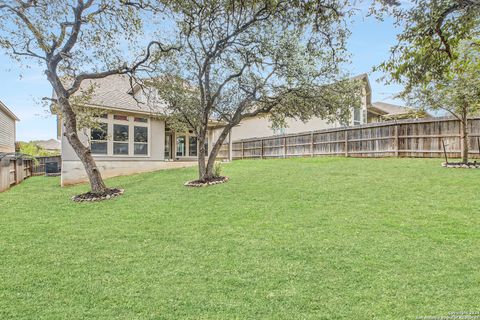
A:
(320, 238)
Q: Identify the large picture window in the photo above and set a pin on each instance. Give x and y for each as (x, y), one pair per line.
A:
(192, 146)
(120, 139)
(98, 139)
(121, 135)
(181, 146)
(140, 139)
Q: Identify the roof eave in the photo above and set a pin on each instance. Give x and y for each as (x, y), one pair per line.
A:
(8, 112)
(375, 110)
(104, 107)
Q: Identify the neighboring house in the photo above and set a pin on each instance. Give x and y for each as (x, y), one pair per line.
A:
(51, 145)
(260, 126)
(131, 137)
(7, 129)
(382, 111)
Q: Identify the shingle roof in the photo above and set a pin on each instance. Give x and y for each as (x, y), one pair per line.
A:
(391, 109)
(51, 144)
(114, 92)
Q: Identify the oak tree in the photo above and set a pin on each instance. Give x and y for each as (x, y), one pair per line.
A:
(74, 41)
(243, 59)
(436, 57)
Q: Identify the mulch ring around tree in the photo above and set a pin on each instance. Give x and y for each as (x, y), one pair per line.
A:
(90, 196)
(205, 183)
(468, 165)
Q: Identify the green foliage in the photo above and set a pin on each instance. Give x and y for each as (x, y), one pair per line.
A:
(45, 26)
(437, 58)
(279, 58)
(45, 32)
(434, 57)
(32, 149)
(458, 91)
(316, 238)
(217, 169)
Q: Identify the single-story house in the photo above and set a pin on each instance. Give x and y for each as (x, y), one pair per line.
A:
(133, 138)
(7, 129)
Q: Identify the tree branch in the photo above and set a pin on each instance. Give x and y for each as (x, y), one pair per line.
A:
(122, 70)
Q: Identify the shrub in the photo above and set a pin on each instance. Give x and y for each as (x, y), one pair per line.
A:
(217, 169)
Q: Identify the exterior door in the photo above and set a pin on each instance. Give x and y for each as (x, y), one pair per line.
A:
(168, 145)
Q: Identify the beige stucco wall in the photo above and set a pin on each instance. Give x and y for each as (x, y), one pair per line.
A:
(115, 165)
(156, 144)
(73, 171)
(262, 127)
(7, 133)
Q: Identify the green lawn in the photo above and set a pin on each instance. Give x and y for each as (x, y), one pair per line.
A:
(320, 238)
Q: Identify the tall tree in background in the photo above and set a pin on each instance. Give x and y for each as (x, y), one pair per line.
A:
(74, 40)
(241, 59)
(436, 58)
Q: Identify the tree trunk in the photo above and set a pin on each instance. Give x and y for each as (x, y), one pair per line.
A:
(70, 120)
(201, 155)
(208, 173)
(464, 137)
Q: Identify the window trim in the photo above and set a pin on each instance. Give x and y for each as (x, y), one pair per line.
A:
(98, 141)
(359, 121)
(187, 155)
(185, 137)
(143, 143)
(131, 123)
(196, 144)
(127, 142)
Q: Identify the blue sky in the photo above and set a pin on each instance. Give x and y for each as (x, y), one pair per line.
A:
(22, 88)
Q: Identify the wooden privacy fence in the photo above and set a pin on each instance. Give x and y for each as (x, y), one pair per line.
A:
(14, 168)
(404, 138)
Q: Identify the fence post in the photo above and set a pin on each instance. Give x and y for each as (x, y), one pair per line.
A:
(261, 154)
(311, 144)
(346, 143)
(396, 141)
(14, 171)
(284, 147)
(243, 153)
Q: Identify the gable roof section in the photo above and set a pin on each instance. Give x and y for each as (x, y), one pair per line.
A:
(391, 109)
(8, 111)
(115, 93)
(51, 144)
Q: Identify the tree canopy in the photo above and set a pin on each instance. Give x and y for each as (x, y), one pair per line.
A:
(74, 41)
(433, 31)
(437, 58)
(241, 59)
